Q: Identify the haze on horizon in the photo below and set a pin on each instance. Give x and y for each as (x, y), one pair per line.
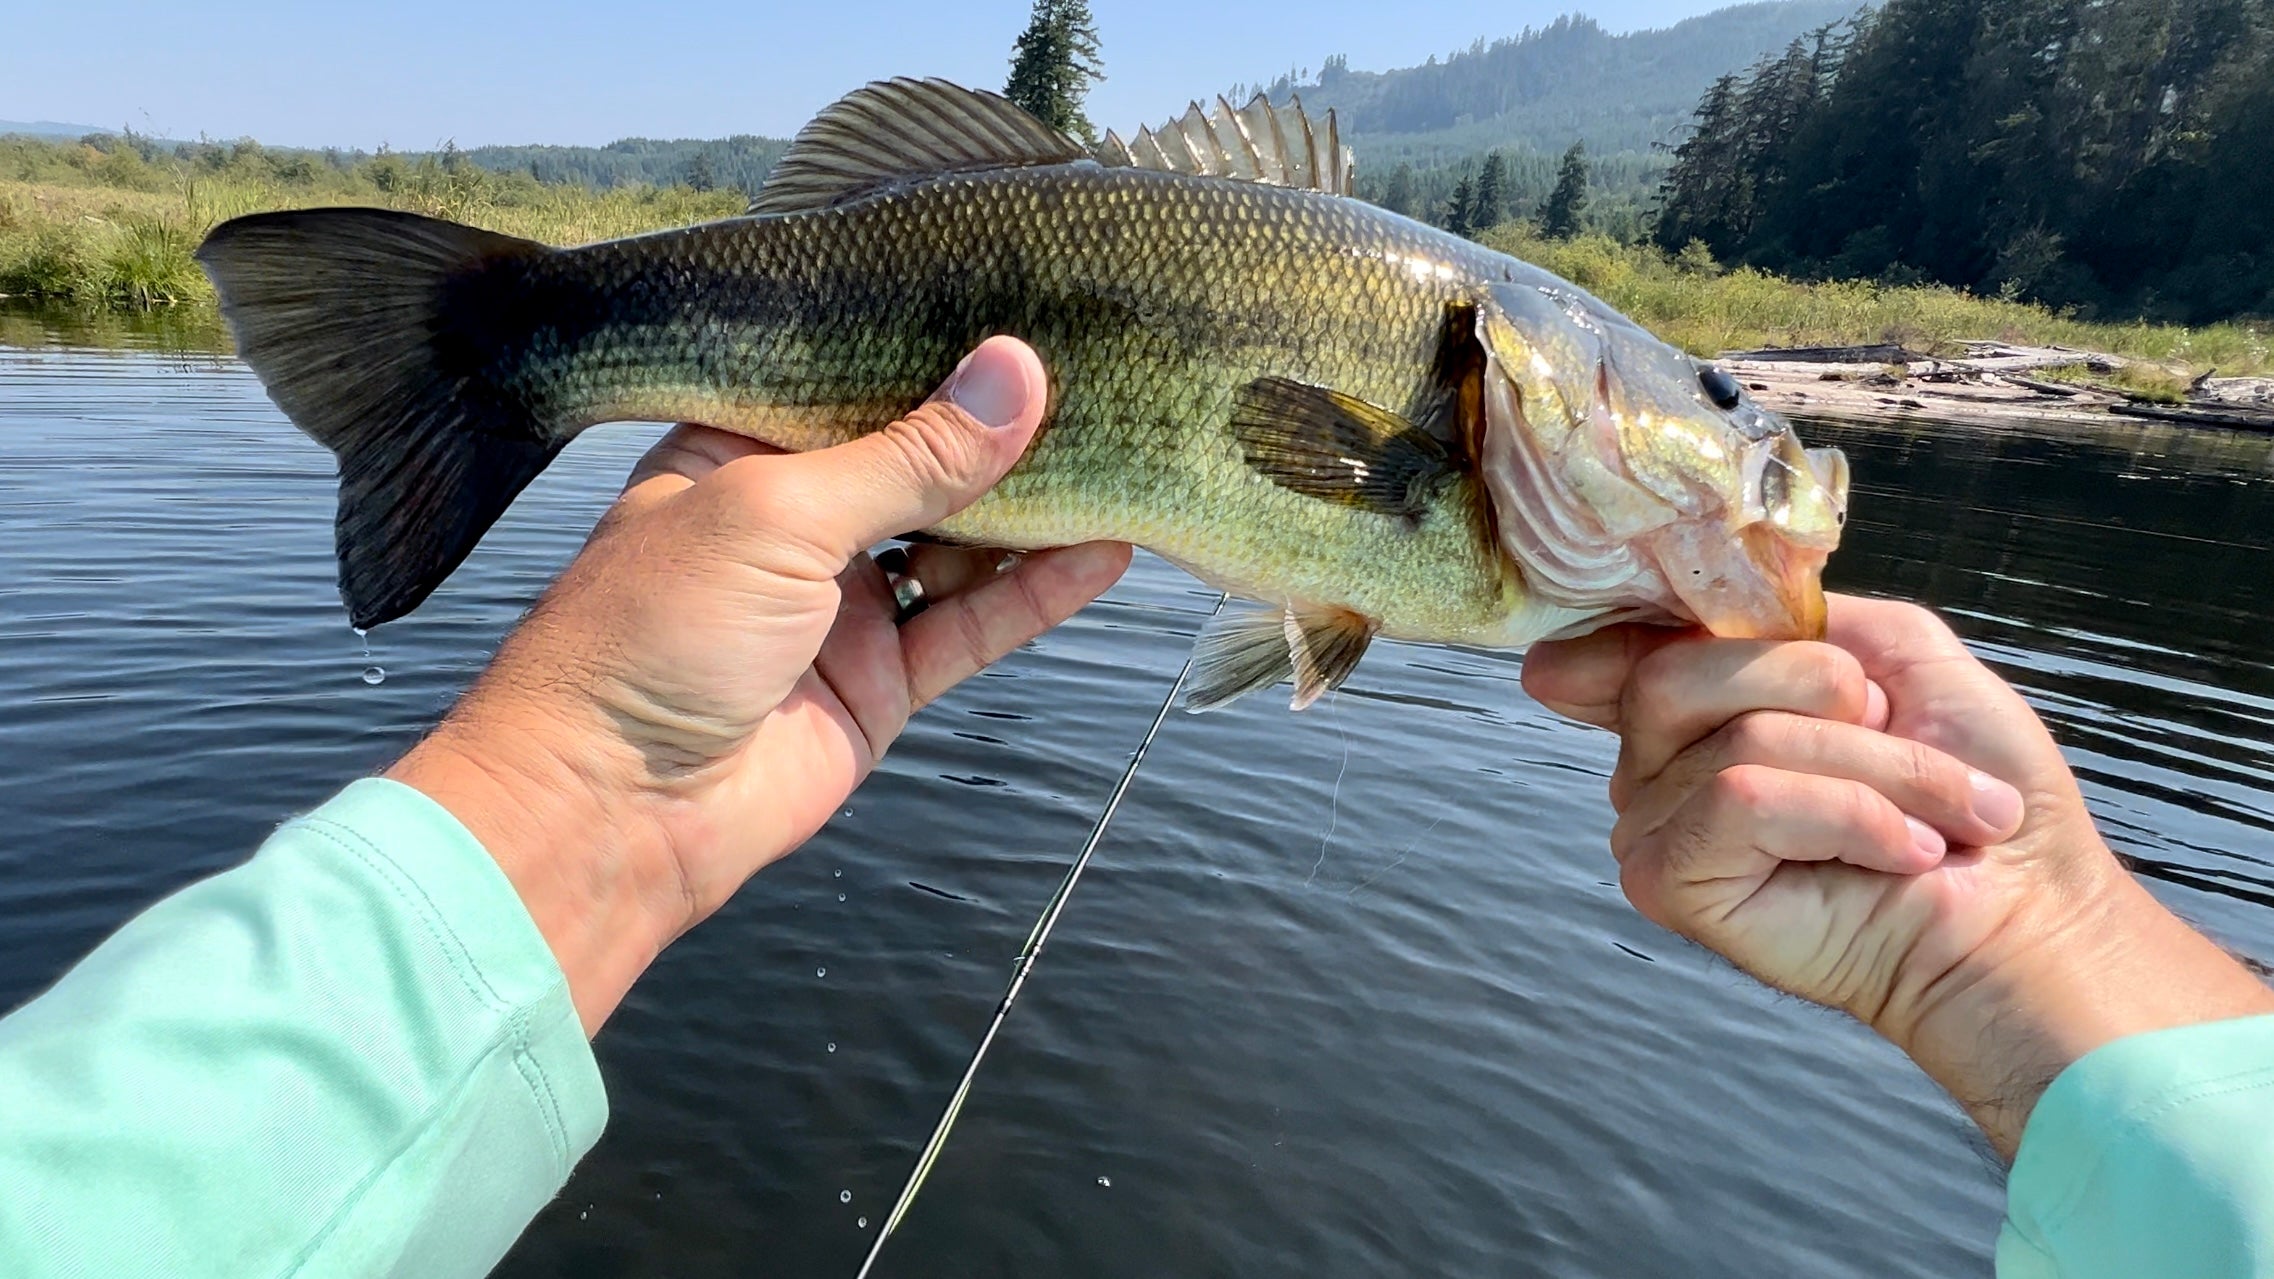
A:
(587, 73)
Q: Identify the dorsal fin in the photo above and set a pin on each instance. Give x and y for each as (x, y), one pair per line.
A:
(1257, 143)
(904, 129)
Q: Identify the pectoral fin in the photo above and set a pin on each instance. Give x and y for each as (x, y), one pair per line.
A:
(1337, 448)
(1251, 647)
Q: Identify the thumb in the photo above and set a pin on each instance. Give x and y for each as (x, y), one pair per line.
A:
(929, 464)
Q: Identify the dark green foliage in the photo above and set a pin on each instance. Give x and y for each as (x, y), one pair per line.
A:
(1538, 90)
(740, 162)
(1561, 211)
(1053, 63)
(1397, 192)
(1459, 205)
(2108, 154)
(1491, 197)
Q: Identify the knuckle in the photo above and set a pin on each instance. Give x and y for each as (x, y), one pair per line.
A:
(936, 447)
(1832, 676)
(1742, 789)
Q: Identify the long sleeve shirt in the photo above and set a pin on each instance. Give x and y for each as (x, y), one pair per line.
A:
(354, 1055)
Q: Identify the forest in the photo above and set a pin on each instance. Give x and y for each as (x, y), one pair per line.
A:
(2111, 156)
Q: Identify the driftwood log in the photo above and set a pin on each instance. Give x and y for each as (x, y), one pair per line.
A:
(1990, 382)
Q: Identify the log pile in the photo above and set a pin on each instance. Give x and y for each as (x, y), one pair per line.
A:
(1992, 381)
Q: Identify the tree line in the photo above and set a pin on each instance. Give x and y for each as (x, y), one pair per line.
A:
(2116, 156)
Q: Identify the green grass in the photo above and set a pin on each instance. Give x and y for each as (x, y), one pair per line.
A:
(1695, 304)
(111, 229)
(114, 229)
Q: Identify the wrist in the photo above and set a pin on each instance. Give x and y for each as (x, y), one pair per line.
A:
(2052, 983)
(593, 868)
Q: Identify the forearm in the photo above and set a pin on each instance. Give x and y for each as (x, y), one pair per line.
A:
(351, 1055)
(1997, 1028)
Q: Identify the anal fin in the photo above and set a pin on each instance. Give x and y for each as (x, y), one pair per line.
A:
(1251, 647)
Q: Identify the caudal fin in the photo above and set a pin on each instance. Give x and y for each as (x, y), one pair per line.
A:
(378, 334)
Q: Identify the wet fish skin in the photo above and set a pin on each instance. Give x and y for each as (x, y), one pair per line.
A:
(1152, 299)
(1370, 425)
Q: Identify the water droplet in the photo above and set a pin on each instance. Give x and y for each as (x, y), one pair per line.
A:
(1106, 1182)
(374, 675)
(844, 1196)
(832, 1046)
(836, 874)
(821, 972)
(861, 1222)
(840, 897)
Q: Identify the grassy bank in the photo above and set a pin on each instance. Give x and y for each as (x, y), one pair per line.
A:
(113, 227)
(1696, 304)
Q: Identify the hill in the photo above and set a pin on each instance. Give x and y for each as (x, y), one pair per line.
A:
(49, 129)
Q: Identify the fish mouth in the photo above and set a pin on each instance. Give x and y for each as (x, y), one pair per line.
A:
(1760, 573)
(1713, 527)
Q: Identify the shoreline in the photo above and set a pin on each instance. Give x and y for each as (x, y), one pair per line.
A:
(1994, 382)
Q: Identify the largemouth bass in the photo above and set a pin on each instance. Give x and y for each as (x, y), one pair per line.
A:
(1366, 425)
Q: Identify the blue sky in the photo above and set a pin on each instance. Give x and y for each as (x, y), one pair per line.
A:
(412, 74)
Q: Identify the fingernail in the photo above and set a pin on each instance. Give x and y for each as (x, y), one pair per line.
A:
(991, 388)
(1996, 804)
(1927, 840)
(1876, 712)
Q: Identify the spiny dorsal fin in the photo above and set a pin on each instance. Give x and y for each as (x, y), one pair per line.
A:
(1336, 447)
(1257, 143)
(901, 130)
(1247, 648)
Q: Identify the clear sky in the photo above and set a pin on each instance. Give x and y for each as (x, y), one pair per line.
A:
(414, 73)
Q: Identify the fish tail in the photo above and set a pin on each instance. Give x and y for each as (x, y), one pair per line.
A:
(378, 334)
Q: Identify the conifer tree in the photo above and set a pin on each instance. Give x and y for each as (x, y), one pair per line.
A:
(1491, 194)
(1559, 216)
(1053, 63)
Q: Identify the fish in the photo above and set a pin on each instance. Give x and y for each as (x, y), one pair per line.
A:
(1357, 425)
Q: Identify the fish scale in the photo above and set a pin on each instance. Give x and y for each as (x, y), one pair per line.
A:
(1367, 425)
(1148, 324)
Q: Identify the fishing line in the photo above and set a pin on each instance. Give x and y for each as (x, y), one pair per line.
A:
(1035, 941)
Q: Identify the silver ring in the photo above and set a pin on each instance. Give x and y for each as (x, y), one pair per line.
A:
(908, 598)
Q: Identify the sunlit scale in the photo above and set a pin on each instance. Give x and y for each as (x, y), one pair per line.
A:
(1270, 387)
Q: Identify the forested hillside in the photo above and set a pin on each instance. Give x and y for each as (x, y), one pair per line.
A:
(2116, 155)
(1531, 95)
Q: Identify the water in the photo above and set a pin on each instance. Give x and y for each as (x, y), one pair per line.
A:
(1422, 1035)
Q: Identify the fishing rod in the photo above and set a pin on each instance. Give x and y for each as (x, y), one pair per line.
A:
(1035, 941)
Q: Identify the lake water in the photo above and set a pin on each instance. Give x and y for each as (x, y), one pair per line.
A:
(1348, 993)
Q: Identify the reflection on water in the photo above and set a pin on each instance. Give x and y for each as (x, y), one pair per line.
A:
(1346, 993)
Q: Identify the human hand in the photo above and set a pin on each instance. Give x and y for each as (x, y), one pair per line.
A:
(721, 666)
(1880, 824)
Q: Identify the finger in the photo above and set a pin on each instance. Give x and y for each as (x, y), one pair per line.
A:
(1891, 636)
(1582, 678)
(688, 452)
(840, 501)
(944, 571)
(861, 658)
(961, 635)
(1968, 808)
(1749, 821)
(1685, 691)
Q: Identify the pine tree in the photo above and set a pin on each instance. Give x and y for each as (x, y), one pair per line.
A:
(1457, 207)
(1053, 63)
(1397, 193)
(700, 175)
(1491, 193)
(1559, 216)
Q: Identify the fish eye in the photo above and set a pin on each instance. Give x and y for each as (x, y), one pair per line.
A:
(1719, 387)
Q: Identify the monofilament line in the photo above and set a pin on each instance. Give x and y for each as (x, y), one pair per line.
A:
(1035, 941)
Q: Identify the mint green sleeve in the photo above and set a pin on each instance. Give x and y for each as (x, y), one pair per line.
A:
(2150, 1156)
(352, 1055)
